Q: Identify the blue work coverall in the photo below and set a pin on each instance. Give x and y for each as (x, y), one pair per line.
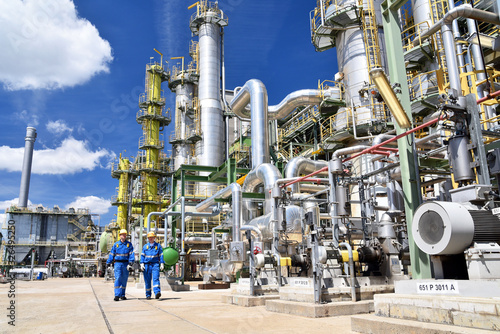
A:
(152, 256)
(123, 254)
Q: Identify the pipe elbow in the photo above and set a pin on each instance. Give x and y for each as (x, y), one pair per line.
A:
(293, 100)
(251, 89)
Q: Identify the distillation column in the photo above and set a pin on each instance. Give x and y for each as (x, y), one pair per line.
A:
(153, 118)
(208, 23)
(122, 198)
(183, 83)
(359, 39)
(358, 52)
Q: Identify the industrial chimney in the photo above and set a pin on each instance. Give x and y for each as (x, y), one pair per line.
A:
(28, 157)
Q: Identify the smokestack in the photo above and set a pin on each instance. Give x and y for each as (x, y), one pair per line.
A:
(28, 158)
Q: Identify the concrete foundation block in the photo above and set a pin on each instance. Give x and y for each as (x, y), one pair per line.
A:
(247, 301)
(311, 310)
(372, 324)
(478, 313)
(476, 320)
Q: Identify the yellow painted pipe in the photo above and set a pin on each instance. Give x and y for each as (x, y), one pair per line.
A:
(195, 4)
(285, 261)
(241, 179)
(345, 255)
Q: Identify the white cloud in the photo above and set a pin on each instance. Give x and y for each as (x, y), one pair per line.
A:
(45, 45)
(58, 127)
(8, 203)
(96, 204)
(73, 156)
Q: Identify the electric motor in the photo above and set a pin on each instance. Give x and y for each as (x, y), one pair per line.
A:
(446, 228)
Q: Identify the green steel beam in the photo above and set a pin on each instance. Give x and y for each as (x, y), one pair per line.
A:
(193, 168)
(231, 171)
(393, 6)
(244, 195)
(243, 170)
(420, 261)
(215, 175)
(254, 195)
(198, 178)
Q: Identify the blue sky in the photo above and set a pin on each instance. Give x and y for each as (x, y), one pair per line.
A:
(74, 70)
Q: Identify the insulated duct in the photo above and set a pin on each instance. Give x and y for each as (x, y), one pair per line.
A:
(266, 174)
(300, 165)
(255, 92)
(293, 217)
(233, 190)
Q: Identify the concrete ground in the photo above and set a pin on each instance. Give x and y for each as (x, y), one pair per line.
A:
(82, 305)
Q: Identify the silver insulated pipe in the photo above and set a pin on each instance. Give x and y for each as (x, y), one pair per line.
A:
(255, 92)
(26, 173)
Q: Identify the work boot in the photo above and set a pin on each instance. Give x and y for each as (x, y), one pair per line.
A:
(148, 297)
(158, 295)
(123, 298)
(117, 298)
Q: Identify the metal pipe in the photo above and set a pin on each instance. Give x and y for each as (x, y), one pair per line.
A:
(415, 129)
(234, 189)
(446, 24)
(214, 237)
(451, 57)
(349, 150)
(382, 180)
(293, 100)
(321, 192)
(251, 263)
(255, 92)
(301, 165)
(266, 174)
(160, 213)
(253, 229)
(480, 68)
(183, 229)
(351, 270)
(456, 36)
(300, 179)
(465, 11)
(419, 142)
(489, 97)
(276, 239)
(334, 204)
(27, 160)
(308, 188)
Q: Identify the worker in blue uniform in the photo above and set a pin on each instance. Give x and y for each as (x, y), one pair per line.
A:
(151, 265)
(122, 253)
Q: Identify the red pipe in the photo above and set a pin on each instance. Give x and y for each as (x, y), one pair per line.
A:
(415, 129)
(393, 149)
(488, 97)
(324, 169)
(380, 152)
(371, 149)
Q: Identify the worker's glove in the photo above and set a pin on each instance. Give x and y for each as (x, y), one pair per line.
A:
(109, 265)
(142, 267)
(129, 267)
(162, 266)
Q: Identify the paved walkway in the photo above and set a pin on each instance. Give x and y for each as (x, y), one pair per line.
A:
(82, 305)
